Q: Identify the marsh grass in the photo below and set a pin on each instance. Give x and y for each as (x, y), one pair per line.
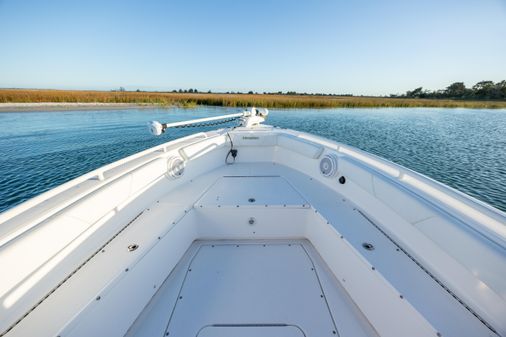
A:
(231, 100)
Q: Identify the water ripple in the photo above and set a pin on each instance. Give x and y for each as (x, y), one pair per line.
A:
(465, 149)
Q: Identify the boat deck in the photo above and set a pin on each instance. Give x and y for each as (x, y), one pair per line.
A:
(251, 288)
(302, 267)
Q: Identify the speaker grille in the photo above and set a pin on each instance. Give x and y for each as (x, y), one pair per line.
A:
(328, 165)
(175, 167)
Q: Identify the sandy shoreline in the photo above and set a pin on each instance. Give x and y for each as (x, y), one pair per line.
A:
(49, 106)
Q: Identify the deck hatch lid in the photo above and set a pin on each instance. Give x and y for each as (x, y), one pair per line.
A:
(267, 330)
(254, 191)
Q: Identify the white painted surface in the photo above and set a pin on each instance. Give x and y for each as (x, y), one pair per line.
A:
(251, 284)
(220, 279)
(233, 191)
(48, 245)
(300, 146)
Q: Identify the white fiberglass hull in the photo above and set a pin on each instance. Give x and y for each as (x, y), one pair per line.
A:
(298, 236)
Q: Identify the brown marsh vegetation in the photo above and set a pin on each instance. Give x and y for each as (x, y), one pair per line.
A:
(232, 100)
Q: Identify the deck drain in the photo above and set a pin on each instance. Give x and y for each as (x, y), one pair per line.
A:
(368, 246)
(133, 247)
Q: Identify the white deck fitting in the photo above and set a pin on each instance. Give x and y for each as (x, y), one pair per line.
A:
(241, 288)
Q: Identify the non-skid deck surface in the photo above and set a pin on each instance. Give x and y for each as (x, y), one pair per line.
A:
(248, 288)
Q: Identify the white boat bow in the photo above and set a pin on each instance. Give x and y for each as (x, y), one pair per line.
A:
(252, 231)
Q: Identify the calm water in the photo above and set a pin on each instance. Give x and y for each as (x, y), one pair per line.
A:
(465, 149)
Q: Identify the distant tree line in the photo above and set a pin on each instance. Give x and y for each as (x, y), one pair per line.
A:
(486, 90)
(295, 93)
(251, 92)
(191, 91)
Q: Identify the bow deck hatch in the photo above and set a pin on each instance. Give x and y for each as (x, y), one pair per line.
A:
(250, 288)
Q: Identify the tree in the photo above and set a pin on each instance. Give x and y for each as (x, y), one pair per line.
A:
(484, 89)
(501, 88)
(456, 90)
(415, 93)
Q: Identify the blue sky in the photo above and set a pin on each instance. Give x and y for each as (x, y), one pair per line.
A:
(358, 47)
